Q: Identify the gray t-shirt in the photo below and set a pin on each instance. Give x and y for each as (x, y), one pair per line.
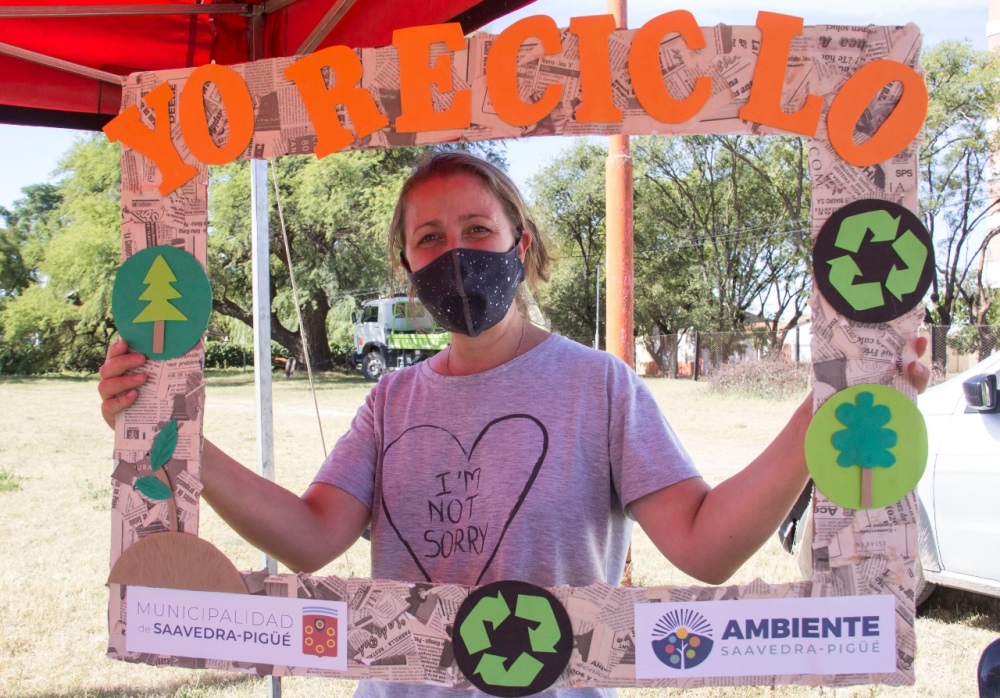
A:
(521, 472)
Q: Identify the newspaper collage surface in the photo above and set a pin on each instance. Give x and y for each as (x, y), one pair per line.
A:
(399, 631)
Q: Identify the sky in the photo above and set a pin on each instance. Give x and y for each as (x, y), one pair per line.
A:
(30, 155)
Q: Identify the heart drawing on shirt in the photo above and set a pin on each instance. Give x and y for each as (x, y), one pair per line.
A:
(451, 507)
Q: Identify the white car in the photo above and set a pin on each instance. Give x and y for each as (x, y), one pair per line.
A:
(959, 492)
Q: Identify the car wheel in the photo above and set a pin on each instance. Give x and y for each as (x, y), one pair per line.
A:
(373, 366)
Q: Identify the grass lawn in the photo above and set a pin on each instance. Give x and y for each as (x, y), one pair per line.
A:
(54, 533)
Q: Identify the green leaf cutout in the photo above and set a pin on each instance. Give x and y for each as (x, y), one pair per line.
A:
(164, 445)
(153, 488)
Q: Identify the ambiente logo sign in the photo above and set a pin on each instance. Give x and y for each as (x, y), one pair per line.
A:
(682, 639)
(834, 635)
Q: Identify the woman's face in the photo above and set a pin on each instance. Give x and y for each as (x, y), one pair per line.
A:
(453, 211)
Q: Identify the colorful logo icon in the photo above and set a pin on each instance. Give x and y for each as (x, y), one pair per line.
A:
(161, 302)
(512, 638)
(873, 260)
(319, 631)
(682, 639)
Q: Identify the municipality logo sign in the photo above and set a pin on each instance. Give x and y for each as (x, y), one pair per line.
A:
(682, 639)
(319, 631)
(307, 633)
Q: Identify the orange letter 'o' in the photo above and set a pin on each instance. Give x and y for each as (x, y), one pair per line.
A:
(899, 128)
(235, 97)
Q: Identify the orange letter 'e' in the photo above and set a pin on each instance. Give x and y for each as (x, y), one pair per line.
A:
(235, 96)
(596, 104)
(645, 69)
(896, 132)
(501, 71)
(155, 143)
(321, 101)
(418, 71)
(764, 103)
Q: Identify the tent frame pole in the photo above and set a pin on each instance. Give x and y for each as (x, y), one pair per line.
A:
(59, 64)
(36, 12)
(261, 277)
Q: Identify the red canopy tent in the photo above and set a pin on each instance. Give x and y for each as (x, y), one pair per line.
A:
(61, 60)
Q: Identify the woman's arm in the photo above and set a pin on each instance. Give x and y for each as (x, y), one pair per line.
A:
(305, 533)
(708, 532)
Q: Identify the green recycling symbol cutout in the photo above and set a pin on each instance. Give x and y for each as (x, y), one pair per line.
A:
(873, 260)
(512, 638)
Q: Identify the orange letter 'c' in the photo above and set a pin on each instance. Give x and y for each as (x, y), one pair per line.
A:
(155, 143)
(646, 71)
(501, 71)
(418, 70)
(235, 96)
(764, 103)
(896, 132)
(596, 104)
(321, 101)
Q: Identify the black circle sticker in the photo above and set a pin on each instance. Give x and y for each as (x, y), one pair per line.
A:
(512, 638)
(873, 260)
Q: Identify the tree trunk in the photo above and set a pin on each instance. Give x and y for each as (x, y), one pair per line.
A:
(314, 316)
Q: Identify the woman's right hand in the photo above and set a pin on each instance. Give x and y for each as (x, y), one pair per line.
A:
(117, 388)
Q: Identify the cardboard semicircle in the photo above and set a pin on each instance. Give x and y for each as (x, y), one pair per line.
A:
(171, 560)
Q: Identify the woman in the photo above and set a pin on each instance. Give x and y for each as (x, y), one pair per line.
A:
(514, 453)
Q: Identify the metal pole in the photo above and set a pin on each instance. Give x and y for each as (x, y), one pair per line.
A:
(620, 339)
(261, 255)
(597, 307)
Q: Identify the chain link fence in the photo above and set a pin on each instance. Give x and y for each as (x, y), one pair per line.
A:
(952, 349)
(698, 355)
(955, 348)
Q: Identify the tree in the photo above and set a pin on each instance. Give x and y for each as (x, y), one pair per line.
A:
(334, 211)
(964, 88)
(569, 204)
(26, 229)
(669, 294)
(62, 319)
(159, 281)
(735, 209)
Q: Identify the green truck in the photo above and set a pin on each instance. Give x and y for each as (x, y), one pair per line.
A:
(392, 333)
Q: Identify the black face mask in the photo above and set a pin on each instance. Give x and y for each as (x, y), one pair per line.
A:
(469, 291)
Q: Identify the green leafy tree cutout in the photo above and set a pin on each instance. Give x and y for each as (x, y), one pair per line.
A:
(158, 486)
(865, 442)
(159, 292)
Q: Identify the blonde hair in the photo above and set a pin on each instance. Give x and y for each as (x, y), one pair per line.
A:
(445, 163)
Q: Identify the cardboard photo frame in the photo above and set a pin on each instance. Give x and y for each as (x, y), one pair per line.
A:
(854, 91)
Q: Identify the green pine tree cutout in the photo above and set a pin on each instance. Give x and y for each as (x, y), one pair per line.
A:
(158, 486)
(159, 292)
(865, 442)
